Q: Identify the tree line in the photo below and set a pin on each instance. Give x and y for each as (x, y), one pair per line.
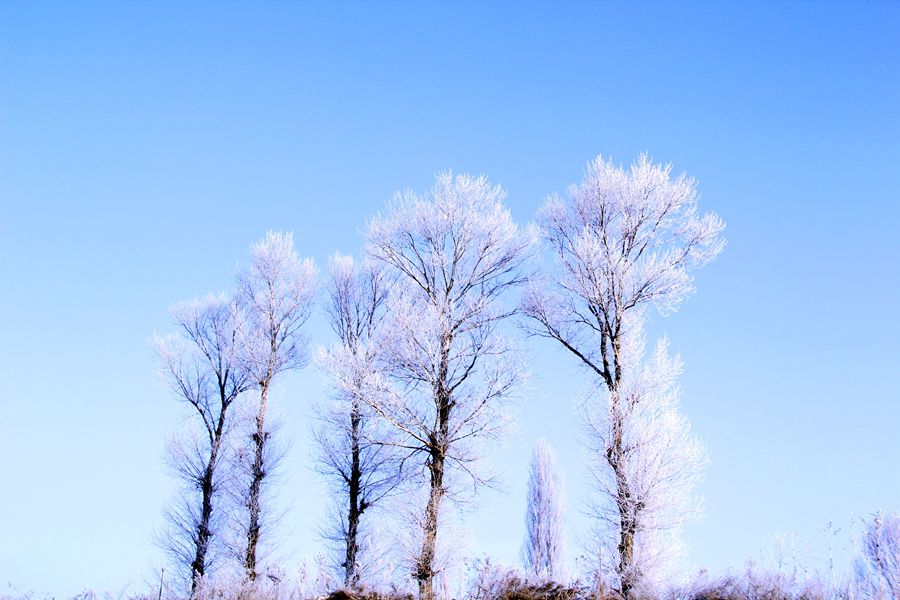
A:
(424, 369)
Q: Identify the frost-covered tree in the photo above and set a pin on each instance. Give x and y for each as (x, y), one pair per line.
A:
(659, 462)
(453, 254)
(358, 454)
(626, 240)
(201, 365)
(276, 293)
(542, 551)
(877, 568)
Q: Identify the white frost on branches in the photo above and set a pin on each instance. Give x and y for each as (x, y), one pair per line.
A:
(276, 293)
(660, 462)
(544, 517)
(627, 240)
(358, 452)
(202, 367)
(877, 568)
(452, 256)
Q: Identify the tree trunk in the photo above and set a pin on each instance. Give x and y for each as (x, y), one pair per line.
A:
(615, 458)
(627, 517)
(623, 500)
(357, 504)
(626, 564)
(425, 563)
(204, 533)
(438, 453)
(257, 474)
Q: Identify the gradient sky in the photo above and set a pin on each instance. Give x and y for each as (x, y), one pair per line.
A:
(144, 146)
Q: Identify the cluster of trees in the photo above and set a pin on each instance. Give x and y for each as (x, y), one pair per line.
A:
(424, 368)
(222, 362)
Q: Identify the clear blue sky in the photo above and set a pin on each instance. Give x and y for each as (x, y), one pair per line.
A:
(144, 146)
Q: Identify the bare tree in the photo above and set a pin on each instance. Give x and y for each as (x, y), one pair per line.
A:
(358, 456)
(877, 568)
(626, 240)
(544, 517)
(454, 253)
(201, 365)
(276, 293)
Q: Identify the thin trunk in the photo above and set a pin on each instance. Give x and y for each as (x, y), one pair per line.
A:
(357, 503)
(623, 501)
(626, 551)
(257, 474)
(425, 563)
(438, 454)
(615, 458)
(204, 532)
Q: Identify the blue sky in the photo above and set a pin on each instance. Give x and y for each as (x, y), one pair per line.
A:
(144, 146)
